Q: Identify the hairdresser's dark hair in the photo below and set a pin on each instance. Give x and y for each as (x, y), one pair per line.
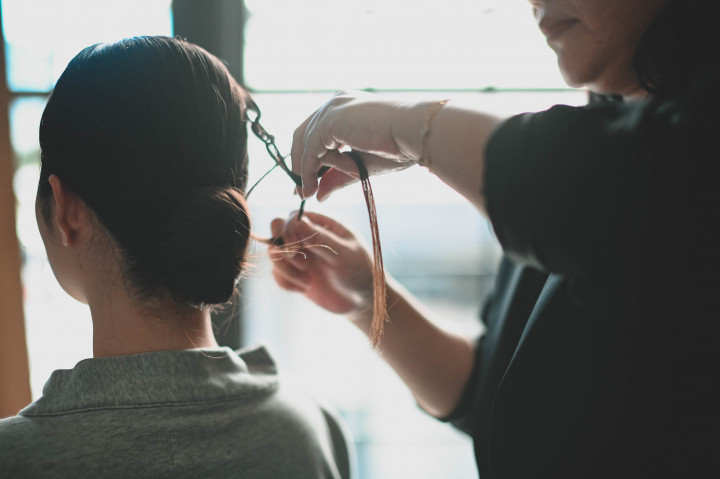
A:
(681, 41)
(149, 132)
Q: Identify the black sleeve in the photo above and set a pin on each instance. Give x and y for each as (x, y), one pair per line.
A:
(587, 191)
(565, 188)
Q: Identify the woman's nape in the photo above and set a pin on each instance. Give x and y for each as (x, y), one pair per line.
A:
(140, 201)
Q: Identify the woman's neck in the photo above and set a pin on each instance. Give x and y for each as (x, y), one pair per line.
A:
(122, 326)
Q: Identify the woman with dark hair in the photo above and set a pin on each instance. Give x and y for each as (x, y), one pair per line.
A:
(141, 207)
(600, 356)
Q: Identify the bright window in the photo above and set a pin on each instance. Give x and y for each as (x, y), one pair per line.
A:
(43, 35)
(396, 44)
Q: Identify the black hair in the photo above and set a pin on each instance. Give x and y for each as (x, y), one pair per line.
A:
(682, 40)
(150, 133)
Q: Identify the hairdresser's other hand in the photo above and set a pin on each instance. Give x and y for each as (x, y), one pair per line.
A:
(386, 133)
(324, 261)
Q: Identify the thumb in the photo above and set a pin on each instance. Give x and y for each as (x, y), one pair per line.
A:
(276, 227)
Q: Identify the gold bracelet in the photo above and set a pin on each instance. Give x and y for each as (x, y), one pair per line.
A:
(425, 159)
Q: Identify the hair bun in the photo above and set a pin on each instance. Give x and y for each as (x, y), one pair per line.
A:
(202, 247)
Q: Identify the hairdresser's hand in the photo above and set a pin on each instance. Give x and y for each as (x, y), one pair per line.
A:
(386, 133)
(325, 262)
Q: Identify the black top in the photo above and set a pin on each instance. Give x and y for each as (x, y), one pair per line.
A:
(601, 357)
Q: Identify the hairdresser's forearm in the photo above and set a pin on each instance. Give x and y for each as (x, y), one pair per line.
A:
(454, 146)
(435, 364)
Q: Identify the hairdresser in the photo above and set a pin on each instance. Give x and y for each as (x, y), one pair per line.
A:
(600, 355)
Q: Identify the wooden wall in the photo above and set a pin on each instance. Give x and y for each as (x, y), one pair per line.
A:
(14, 371)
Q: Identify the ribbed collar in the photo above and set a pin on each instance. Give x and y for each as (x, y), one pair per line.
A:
(156, 379)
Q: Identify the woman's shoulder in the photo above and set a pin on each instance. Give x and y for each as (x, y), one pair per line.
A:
(18, 435)
(235, 406)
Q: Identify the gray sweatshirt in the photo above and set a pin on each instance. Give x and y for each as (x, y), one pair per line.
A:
(195, 413)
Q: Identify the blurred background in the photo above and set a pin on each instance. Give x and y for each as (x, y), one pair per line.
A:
(293, 55)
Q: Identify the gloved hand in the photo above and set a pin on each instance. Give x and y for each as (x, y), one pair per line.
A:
(386, 133)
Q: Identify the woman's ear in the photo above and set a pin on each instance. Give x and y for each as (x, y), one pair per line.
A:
(70, 213)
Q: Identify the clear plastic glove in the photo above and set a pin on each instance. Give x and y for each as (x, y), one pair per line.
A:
(324, 261)
(386, 134)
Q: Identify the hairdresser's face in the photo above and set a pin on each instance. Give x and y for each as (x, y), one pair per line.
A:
(595, 40)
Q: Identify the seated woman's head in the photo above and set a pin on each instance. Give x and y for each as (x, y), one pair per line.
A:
(148, 136)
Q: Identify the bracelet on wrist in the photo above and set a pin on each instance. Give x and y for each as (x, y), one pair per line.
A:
(425, 159)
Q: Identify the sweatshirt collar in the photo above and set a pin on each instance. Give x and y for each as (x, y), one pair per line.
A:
(157, 379)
